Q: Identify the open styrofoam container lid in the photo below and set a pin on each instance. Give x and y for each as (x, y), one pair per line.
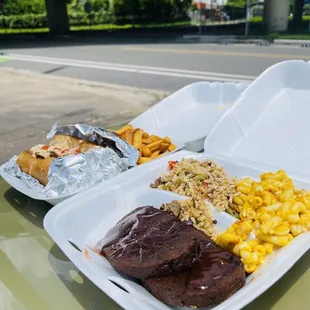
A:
(269, 125)
(190, 113)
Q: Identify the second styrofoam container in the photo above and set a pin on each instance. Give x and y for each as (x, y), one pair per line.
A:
(189, 114)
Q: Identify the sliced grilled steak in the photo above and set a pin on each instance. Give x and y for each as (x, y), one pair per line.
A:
(212, 279)
(152, 243)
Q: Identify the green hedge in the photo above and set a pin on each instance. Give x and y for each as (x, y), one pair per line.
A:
(24, 21)
(40, 20)
(96, 18)
(31, 21)
(20, 7)
(32, 14)
(75, 19)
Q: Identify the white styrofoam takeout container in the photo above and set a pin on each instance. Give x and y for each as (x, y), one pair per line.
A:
(19, 185)
(24, 189)
(84, 219)
(269, 124)
(189, 114)
(185, 116)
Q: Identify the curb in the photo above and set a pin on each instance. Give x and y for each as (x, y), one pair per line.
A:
(239, 40)
(302, 43)
(222, 40)
(206, 39)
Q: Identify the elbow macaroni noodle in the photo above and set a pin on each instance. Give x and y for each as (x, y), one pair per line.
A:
(274, 210)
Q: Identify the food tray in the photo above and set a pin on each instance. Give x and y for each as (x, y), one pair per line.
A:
(189, 114)
(22, 187)
(248, 140)
(81, 221)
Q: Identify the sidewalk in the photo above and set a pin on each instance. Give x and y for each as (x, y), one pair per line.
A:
(30, 103)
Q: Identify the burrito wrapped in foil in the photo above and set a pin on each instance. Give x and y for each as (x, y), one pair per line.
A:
(72, 173)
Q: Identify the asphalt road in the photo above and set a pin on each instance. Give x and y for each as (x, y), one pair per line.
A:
(165, 67)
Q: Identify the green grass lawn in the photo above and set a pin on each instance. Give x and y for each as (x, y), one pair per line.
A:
(305, 36)
(259, 19)
(24, 30)
(4, 59)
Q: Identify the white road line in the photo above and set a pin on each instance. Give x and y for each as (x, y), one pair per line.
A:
(191, 74)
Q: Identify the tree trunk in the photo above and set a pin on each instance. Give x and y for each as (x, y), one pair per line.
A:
(57, 16)
(297, 16)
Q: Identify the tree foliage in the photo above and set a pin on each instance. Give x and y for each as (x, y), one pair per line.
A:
(96, 5)
(237, 3)
(298, 11)
(24, 12)
(151, 10)
(16, 7)
(307, 9)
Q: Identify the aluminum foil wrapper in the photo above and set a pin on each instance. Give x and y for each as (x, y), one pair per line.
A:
(73, 173)
(100, 137)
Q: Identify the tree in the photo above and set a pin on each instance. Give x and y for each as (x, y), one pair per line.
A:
(79, 6)
(57, 16)
(122, 8)
(100, 5)
(151, 11)
(298, 11)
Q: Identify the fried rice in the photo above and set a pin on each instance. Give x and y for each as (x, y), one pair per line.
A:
(200, 181)
(196, 211)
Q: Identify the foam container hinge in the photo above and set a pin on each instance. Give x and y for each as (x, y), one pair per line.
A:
(189, 114)
(269, 125)
(80, 222)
